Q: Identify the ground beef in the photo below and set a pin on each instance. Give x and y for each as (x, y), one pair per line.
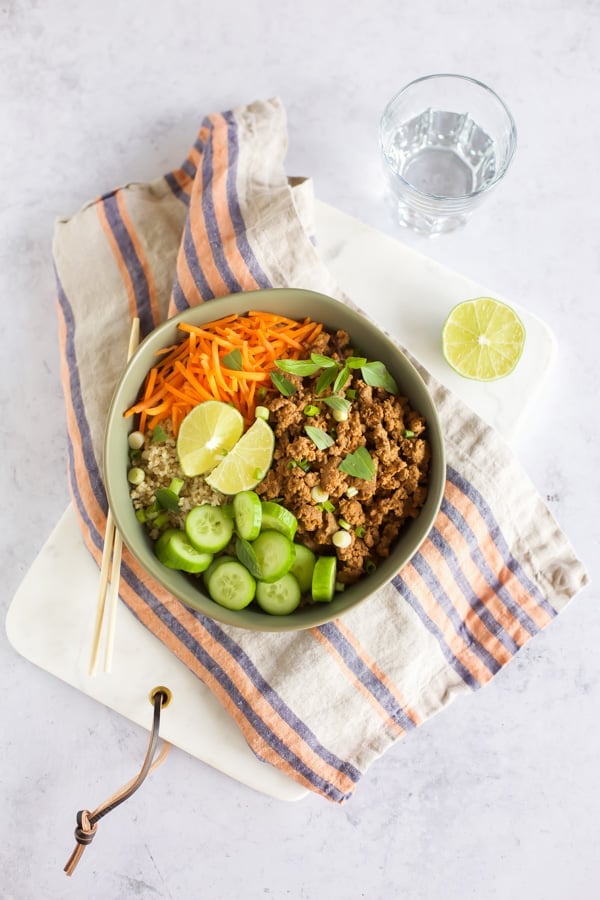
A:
(376, 509)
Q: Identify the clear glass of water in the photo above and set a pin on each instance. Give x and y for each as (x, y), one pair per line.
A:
(446, 141)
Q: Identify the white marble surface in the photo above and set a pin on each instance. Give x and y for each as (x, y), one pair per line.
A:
(497, 797)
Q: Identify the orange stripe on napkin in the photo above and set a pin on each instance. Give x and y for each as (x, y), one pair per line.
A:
(120, 198)
(121, 262)
(478, 629)
(478, 584)
(458, 645)
(233, 669)
(496, 562)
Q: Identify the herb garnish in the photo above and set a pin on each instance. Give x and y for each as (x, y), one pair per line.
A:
(319, 437)
(283, 384)
(376, 374)
(335, 402)
(359, 464)
(233, 360)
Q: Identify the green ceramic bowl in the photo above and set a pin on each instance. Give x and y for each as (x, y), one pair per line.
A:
(370, 342)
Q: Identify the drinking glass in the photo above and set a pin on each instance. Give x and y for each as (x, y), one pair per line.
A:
(446, 142)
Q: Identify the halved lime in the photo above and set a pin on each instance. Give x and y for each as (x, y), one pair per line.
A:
(483, 339)
(206, 435)
(247, 463)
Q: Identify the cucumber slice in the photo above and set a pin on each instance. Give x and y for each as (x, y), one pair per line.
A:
(277, 518)
(279, 598)
(323, 579)
(275, 555)
(247, 510)
(217, 561)
(209, 528)
(231, 585)
(174, 550)
(303, 566)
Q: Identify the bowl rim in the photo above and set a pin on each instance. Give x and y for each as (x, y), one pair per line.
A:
(175, 582)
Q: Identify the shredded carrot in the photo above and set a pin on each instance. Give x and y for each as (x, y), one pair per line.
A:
(193, 370)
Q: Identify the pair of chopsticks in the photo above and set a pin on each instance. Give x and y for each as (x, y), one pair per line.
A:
(108, 593)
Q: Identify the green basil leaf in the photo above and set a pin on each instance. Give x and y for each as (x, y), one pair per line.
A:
(341, 379)
(297, 366)
(355, 362)
(376, 374)
(233, 360)
(325, 379)
(359, 464)
(336, 402)
(283, 384)
(319, 437)
(324, 362)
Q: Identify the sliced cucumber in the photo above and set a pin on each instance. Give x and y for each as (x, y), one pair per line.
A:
(231, 585)
(323, 579)
(174, 550)
(303, 566)
(209, 528)
(277, 518)
(275, 555)
(279, 598)
(217, 561)
(247, 510)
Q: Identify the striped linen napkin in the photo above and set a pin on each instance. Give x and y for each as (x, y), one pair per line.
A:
(495, 570)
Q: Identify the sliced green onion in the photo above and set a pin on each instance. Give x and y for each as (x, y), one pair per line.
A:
(341, 539)
(135, 476)
(161, 520)
(326, 506)
(351, 394)
(318, 494)
(311, 410)
(343, 524)
(140, 515)
(370, 566)
(408, 433)
(261, 412)
(136, 440)
(359, 531)
(176, 485)
(351, 491)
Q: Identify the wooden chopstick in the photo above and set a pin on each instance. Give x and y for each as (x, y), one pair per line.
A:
(113, 546)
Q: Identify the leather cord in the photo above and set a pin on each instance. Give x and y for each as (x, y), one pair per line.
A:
(87, 822)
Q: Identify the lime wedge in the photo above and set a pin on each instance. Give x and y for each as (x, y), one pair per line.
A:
(247, 463)
(483, 339)
(206, 435)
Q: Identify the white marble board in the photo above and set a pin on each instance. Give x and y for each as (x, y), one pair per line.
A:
(51, 615)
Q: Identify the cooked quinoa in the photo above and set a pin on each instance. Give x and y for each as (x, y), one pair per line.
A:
(160, 464)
